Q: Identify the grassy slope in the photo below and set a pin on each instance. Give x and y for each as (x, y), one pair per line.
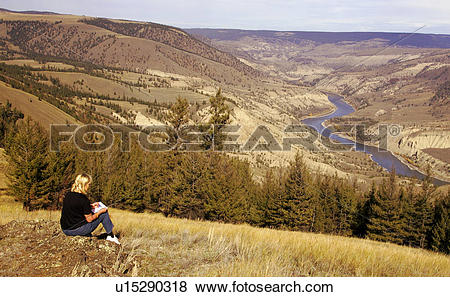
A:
(115, 90)
(174, 247)
(139, 52)
(178, 247)
(40, 111)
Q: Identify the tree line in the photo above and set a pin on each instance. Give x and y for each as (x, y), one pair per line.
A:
(62, 96)
(217, 187)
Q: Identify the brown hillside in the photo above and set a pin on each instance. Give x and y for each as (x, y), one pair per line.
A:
(39, 110)
(174, 37)
(128, 45)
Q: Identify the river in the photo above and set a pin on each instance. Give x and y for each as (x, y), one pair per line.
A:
(384, 158)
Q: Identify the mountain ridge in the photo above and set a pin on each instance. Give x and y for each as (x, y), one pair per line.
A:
(30, 11)
(406, 39)
(101, 42)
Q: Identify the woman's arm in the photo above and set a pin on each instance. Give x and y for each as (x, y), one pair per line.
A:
(93, 216)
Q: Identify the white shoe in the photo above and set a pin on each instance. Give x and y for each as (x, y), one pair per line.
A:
(113, 239)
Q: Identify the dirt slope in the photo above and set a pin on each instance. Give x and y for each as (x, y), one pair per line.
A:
(39, 248)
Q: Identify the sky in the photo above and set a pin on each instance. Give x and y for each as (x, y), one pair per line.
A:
(288, 15)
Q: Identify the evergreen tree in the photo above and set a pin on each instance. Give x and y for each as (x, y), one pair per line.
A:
(346, 207)
(268, 205)
(179, 115)
(421, 214)
(405, 208)
(384, 217)
(416, 214)
(160, 180)
(93, 163)
(8, 119)
(59, 173)
(133, 191)
(231, 190)
(364, 213)
(327, 201)
(439, 234)
(114, 164)
(27, 158)
(297, 205)
(220, 115)
(220, 112)
(187, 193)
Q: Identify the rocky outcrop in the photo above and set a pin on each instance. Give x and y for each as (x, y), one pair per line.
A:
(413, 144)
(39, 248)
(427, 139)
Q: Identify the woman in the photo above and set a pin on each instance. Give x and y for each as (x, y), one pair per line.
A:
(77, 217)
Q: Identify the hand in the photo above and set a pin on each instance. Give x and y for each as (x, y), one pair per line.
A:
(102, 210)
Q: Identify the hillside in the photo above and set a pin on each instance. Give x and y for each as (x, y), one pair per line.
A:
(159, 246)
(148, 49)
(105, 70)
(101, 42)
(311, 56)
(41, 111)
(389, 78)
(120, 71)
(442, 95)
(174, 37)
(416, 40)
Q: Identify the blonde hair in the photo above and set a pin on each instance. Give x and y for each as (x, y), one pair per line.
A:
(81, 183)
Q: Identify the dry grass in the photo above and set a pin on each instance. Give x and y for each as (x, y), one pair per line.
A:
(177, 247)
(35, 64)
(39, 110)
(92, 84)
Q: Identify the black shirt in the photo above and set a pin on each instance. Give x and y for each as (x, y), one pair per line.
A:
(75, 206)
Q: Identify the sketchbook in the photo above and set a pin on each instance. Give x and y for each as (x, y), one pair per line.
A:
(100, 206)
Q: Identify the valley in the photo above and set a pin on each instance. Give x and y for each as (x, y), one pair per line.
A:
(222, 152)
(388, 78)
(277, 79)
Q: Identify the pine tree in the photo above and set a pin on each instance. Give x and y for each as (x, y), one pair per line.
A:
(418, 214)
(268, 205)
(297, 205)
(439, 234)
(232, 195)
(421, 213)
(326, 223)
(93, 163)
(384, 217)
(27, 158)
(59, 173)
(186, 196)
(134, 189)
(114, 164)
(405, 208)
(364, 213)
(346, 207)
(179, 115)
(8, 119)
(220, 112)
(160, 180)
(220, 115)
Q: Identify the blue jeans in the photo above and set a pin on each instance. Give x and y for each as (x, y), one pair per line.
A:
(87, 228)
